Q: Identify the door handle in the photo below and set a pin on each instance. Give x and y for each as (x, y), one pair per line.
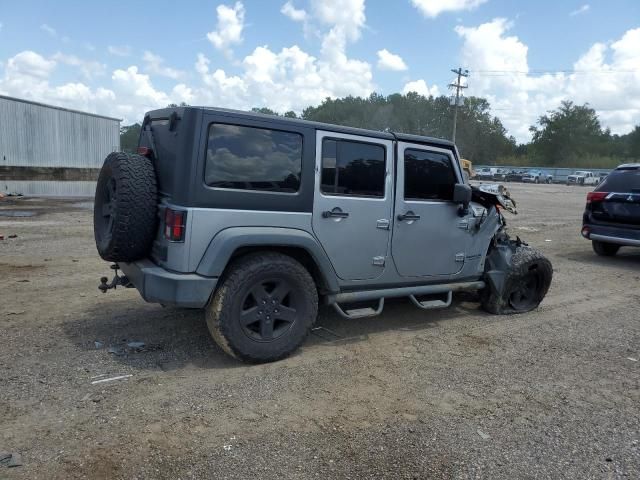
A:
(409, 216)
(335, 213)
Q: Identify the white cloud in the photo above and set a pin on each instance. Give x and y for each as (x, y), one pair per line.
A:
(283, 79)
(88, 68)
(1, 26)
(421, 88)
(433, 8)
(49, 30)
(119, 51)
(229, 28)
(297, 15)
(390, 61)
(154, 64)
(579, 11)
(500, 72)
(27, 76)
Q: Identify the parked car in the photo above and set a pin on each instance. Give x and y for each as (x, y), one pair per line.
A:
(537, 176)
(583, 177)
(257, 219)
(500, 174)
(612, 216)
(514, 176)
(485, 173)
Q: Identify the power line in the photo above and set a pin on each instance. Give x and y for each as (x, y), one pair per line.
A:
(458, 86)
(501, 73)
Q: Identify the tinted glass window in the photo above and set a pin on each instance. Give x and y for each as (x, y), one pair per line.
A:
(427, 175)
(253, 158)
(352, 168)
(621, 181)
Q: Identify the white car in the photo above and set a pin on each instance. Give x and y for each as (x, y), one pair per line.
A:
(583, 177)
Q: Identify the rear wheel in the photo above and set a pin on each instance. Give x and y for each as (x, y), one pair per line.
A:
(526, 282)
(264, 308)
(605, 249)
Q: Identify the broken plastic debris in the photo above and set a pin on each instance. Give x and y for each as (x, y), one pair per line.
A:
(485, 436)
(98, 344)
(632, 359)
(10, 459)
(102, 380)
(547, 240)
(136, 345)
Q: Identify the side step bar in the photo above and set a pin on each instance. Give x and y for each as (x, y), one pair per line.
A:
(411, 292)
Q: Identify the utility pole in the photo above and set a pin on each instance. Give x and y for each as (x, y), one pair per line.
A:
(458, 86)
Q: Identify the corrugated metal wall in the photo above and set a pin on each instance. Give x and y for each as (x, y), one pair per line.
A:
(33, 134)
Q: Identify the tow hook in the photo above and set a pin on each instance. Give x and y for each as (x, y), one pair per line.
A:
(121, 280)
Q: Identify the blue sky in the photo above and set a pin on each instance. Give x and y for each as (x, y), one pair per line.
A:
(123, 58)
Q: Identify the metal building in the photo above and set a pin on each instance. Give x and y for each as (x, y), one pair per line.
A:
(48, 150)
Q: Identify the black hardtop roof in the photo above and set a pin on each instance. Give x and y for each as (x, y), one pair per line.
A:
(405, 137)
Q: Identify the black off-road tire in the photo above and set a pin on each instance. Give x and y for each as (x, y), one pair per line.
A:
(605, 249)
(529, 272)
(245, 295)
(125, 207)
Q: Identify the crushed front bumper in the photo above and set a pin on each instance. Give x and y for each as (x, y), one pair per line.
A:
(157, 285)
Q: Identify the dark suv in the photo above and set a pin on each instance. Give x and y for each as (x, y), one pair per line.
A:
(257, 218)
(612, 216)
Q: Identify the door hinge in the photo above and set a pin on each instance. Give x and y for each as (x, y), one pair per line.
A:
(460, 257)
(378, 261)
(383, 224)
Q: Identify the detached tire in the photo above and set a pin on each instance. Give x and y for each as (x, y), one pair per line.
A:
(125, 207)
(526, 282)
(264, 308)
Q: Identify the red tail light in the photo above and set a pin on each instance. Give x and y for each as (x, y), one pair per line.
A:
(174, 224)
(145, 151)
(596, 196)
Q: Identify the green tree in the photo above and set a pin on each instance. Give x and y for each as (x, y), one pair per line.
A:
(567, 135)
(129, 135)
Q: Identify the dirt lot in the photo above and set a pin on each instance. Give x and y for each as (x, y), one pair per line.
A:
(455, 393)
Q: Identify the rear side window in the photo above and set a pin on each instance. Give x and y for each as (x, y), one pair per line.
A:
(428, 175)
(621, 181)
(251, 158)
(352, 168)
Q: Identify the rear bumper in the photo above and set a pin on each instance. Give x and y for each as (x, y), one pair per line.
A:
(618, 236)
(157, 285)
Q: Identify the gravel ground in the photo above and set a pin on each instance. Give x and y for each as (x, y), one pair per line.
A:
(455, 393)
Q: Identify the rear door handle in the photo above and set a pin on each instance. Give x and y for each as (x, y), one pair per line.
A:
(335, 213)
(409, 216)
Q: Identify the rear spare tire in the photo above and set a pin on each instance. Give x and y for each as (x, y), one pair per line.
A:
(125, 207)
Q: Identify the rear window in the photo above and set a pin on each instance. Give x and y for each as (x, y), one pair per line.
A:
(250, 158)
(621, 181)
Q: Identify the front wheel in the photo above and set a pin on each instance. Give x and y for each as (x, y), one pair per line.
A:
(526, 282)
(264, 308)
(605, 249)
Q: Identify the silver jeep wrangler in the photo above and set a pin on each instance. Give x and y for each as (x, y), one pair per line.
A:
(258, 218)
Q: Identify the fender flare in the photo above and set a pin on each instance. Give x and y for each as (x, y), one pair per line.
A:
(227, 241)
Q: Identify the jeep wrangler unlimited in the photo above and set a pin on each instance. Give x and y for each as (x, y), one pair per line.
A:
(258, 218)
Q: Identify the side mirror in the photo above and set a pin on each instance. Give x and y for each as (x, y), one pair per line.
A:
(462, 194)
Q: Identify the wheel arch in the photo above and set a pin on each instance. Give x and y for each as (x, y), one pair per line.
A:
(235, 242)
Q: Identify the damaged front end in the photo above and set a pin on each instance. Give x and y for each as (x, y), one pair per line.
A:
(517, 276)
(493, 195)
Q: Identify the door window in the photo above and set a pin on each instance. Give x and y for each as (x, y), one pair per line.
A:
(428, 175)
(352, 168)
